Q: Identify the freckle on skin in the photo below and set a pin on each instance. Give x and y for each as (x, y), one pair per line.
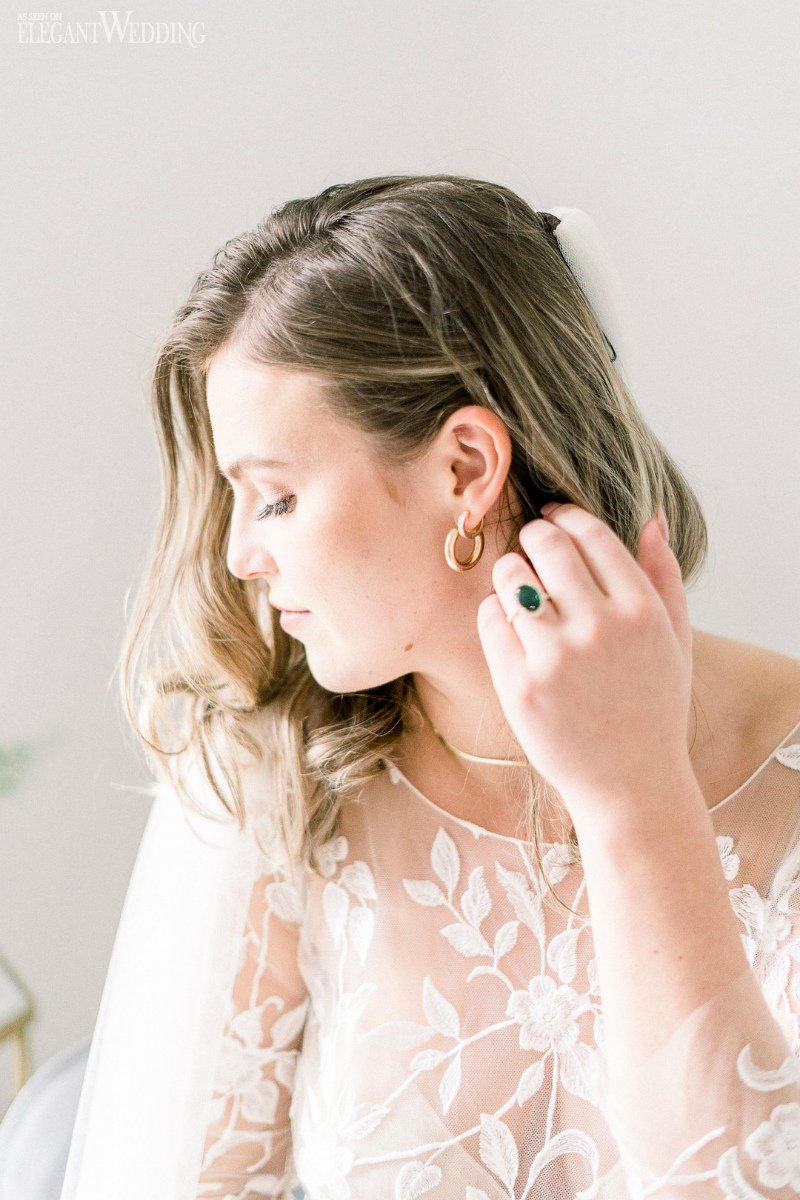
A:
(409, 646)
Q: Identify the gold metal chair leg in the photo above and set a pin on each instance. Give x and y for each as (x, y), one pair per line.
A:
(21, 1060)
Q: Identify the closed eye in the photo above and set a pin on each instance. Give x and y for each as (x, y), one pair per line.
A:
(276, 510)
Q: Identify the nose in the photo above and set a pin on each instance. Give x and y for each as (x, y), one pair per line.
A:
(246, 558)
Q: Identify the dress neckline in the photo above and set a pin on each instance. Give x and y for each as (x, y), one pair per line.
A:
(480, 830)
(477, 831)
(757, 771)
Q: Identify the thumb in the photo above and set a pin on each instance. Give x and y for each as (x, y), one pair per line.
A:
(663, 570)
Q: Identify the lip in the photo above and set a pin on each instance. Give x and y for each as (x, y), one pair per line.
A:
(290, 617)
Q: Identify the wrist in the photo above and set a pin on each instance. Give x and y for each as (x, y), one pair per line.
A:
(668, 802)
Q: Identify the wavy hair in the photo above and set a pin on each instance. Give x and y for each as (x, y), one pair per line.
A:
(414, 295)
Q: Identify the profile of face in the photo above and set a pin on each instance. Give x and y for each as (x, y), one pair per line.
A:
(350, 545)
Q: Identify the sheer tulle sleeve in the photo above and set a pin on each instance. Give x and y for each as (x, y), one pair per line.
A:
(186, 1087)
(247, 1146)
(717, 1110)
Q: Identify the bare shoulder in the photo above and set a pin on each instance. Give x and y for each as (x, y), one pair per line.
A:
(749, 698)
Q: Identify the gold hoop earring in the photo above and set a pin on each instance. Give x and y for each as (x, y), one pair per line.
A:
(457, 564)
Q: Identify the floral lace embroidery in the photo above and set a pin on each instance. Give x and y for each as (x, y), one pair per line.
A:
(546, 1013)
(487, 912)
(248, 1134)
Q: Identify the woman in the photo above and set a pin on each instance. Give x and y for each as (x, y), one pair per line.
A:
(416, 618)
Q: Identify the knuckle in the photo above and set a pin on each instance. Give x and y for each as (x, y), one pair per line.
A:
(589, 633)
(640, 612)
(540, 533)
(508, 567)
(553, 660)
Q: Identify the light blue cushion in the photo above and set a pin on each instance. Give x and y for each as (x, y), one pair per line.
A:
(36, 1131)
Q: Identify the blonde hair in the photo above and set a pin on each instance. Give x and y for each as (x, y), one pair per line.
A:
(414, 295)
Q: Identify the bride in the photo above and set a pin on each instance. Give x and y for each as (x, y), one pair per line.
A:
(473, 870)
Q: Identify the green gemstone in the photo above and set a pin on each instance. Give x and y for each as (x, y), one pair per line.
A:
(528, 597)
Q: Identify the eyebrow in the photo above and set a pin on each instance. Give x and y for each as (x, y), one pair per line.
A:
(249, 463)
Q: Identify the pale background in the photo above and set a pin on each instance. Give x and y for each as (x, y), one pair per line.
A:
(674, 124)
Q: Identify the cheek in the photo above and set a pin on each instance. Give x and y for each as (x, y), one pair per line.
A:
(372, 574)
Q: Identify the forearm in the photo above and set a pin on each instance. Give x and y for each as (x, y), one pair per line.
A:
(702, 1078)
(666, 938)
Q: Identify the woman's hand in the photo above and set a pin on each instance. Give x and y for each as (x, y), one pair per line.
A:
(596, 687)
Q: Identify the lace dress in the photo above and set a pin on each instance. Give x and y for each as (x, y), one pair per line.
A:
(424, 1020)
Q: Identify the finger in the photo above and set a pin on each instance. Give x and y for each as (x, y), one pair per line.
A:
(663, 570)
(607, 558)
(560, 566)
(522, 595)
(504, 653)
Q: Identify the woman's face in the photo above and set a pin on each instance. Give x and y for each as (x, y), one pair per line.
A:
(352, 548)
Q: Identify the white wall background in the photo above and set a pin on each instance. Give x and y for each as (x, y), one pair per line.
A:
(673, 123)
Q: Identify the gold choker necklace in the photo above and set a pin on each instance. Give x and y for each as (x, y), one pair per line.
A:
(476, 758)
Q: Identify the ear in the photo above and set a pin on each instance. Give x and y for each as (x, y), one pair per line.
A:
(475, 448)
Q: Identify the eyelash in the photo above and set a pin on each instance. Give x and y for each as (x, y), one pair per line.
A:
(275, 510)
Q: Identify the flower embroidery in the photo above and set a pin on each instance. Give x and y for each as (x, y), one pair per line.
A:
(730, 861)
(239, 1067)
(325, 1163)
(547, 1014)
(766, 925)
(330, 855)
(789, 756)
(776, 1143)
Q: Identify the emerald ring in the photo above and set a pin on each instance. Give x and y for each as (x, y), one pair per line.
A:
(530, 599)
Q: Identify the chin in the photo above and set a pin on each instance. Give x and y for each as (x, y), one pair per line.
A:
(342, 678)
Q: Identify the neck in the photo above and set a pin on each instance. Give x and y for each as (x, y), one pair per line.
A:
(467, 714)
(462, 706)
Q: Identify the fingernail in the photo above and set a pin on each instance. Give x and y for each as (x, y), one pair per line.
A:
(546, 509)
(662, 523)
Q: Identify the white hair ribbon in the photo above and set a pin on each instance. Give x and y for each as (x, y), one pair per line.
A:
(587, 256)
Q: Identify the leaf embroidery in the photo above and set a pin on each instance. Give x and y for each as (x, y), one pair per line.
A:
(556, 863)
(440, 1012)
(361, 927)
(284, 900)
(287, 1027)
(415, 1179)
(358, 879)
(561, 954)
(579, 1072)
(365, 1119)
(351, 1005)
(476, 903)
(422, 891)
(426, 1060)
(498, 1150)
(335, 904)
(466, 940)
(451, 1082)
(445, 861)
(526, 904)
(532, 1079)
(505, 939)
(568, 1141)
(399, 1035)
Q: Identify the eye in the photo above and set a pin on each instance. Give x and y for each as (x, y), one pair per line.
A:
(275, 510)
